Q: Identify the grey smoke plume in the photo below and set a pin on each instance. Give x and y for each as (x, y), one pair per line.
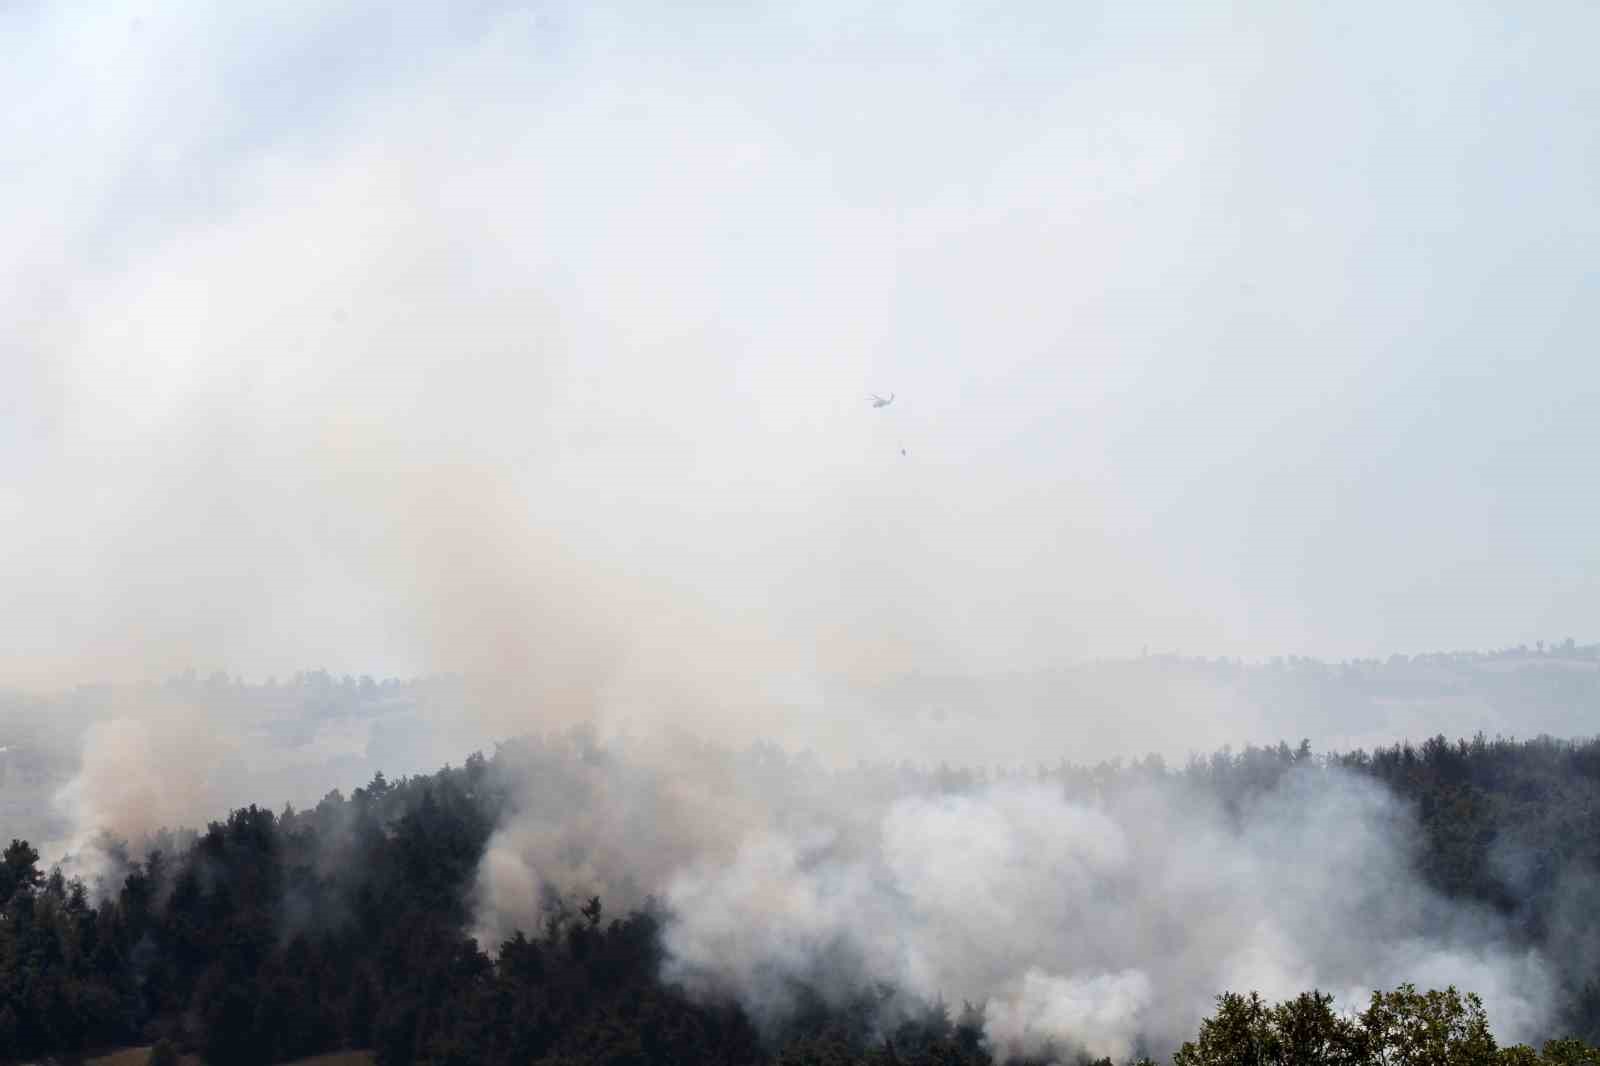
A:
(117, 765)
(530, 344)
(143, 773)
(533, 345)
(545, 334)
(1105, 921)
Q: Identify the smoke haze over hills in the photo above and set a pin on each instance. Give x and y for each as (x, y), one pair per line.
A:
(543, 332)
(524, 347)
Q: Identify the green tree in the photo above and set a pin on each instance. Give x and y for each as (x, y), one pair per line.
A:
(19, 870)
(1400, 1028)
(1410, 1028)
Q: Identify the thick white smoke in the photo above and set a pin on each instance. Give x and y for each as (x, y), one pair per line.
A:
(1105, 922)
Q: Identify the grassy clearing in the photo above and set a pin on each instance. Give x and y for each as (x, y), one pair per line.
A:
(133, 1056)
(136, 1056)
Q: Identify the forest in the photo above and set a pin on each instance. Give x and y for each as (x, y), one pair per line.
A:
(271, 936)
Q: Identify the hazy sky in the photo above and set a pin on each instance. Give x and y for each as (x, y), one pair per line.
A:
(396, 339)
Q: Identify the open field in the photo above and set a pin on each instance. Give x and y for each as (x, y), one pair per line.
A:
(137, 1056)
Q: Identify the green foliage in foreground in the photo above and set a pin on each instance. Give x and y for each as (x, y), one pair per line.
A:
(1400, 1028)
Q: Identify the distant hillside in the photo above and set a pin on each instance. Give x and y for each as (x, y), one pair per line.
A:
(291, 740)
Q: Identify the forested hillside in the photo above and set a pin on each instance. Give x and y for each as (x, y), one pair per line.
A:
(271, 936)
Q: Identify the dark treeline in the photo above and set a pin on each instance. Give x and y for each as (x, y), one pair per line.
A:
(273, 936)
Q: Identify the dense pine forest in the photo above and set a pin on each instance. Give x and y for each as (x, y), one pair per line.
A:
(268, 936)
